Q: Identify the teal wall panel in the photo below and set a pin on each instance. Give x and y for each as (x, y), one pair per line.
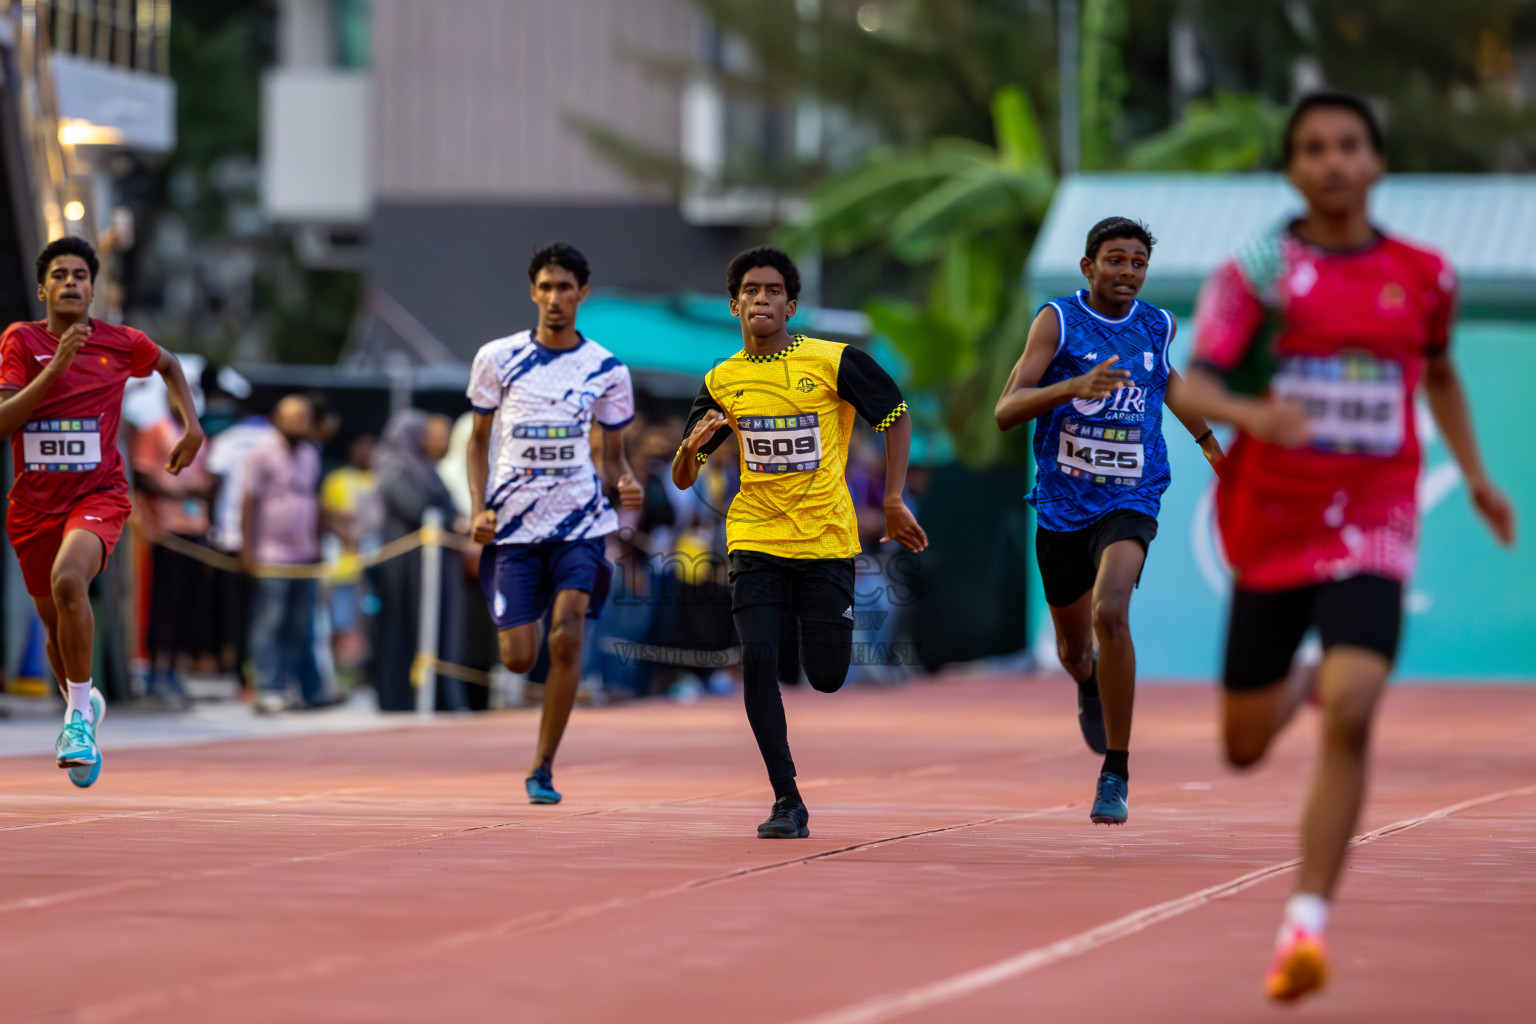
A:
(1472, 604)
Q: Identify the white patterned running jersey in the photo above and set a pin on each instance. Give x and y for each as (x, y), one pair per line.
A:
(543, 485)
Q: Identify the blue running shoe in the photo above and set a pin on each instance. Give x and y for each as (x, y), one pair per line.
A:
(84, 777)
(541, 787)
(76, 745)
(1109, 801)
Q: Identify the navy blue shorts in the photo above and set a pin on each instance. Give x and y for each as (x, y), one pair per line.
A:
(520, 580)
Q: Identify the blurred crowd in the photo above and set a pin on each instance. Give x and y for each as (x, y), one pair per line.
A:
(254, 564)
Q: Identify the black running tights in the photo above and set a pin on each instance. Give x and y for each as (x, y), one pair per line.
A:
(768, 642)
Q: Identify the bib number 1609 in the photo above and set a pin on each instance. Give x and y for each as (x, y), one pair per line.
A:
(781, 446)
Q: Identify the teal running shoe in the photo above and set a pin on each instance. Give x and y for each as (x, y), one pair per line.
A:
(1109, 801)
(541, 787)
(85, 776)
(76, 745)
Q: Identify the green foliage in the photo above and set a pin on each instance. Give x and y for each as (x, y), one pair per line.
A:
(1104, 82)
(1445, 75)
(1226, 133)
(217, 56)
(941, 171)
(965, 213)
(242, 272)
(312, 327)
(928, 67)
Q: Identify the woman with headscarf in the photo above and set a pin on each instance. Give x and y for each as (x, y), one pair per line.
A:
(477, 632)
(405, 464)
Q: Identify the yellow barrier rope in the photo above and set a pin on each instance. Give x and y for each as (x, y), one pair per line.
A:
(447, 669)
(320, 570)
(323, 571)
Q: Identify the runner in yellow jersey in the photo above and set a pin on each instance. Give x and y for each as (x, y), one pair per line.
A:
(791, 532)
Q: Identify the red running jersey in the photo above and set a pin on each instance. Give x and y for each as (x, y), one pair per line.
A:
(68, 449)
(1345, 334)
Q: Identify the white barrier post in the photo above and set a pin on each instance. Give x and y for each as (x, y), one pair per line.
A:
(431, 608)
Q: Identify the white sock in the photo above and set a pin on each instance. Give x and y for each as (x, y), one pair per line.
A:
(1307, 911)
(80, 700)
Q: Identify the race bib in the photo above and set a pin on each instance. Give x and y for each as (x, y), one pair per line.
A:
(1103, 455)
(1355, 403)
(557, 449)
(781, 444)
(61, 446)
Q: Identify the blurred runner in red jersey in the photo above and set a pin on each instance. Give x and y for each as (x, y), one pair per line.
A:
(61, 397)
(1313, 341)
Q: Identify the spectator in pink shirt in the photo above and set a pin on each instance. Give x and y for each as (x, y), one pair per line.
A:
(281, 526)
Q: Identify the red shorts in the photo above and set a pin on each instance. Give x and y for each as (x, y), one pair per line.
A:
(37, 536)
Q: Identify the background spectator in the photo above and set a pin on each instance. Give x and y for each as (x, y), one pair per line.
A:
(353, 512)
(226, 457)
(477, 631)
(281, 526)
(406, 466)
(184, 619)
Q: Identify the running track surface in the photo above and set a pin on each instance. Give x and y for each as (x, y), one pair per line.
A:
(952, 874)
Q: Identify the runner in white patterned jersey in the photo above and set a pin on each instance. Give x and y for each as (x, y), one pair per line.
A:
(540, 504)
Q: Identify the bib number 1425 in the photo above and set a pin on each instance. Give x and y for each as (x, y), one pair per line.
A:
(1100, 457)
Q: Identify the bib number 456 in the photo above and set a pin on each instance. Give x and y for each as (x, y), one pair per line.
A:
(549, 452)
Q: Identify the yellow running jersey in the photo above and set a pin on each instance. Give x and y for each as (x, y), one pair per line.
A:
(792, 413)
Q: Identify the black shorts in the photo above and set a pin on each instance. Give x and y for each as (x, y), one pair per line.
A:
(1266, 626)
(1069, 561)
(818, 589)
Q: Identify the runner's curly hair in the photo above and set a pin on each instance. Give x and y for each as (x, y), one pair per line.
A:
(69, 245)
(763, 256)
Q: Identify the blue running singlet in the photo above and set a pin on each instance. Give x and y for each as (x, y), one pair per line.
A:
(1093, 456)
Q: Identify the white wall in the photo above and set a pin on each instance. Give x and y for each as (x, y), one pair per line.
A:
(474, 96)
(317, 142)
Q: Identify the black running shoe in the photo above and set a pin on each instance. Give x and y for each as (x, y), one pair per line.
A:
(788, 820)
(1090, 713)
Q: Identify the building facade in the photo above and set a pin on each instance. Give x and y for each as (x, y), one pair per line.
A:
(471, 131)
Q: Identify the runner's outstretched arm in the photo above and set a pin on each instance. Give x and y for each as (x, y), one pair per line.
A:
(180, 397)
(685, 464)
(617, 474)
(1202, 393)
(1023, 400)
(1448, 403)
(16, 406)
(478, 458)
(1200, 430)
(900, 524)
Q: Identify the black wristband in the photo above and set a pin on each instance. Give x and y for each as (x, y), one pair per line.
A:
(1202, 437)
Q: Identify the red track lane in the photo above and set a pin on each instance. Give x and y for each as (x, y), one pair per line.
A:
(952, 874)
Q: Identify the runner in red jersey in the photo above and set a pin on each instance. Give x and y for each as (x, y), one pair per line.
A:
(1313, 341)
(61, 397)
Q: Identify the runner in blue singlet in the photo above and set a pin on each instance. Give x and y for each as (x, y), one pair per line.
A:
(1095, 374)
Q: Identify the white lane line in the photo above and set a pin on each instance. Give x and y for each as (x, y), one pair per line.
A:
(899, 1004)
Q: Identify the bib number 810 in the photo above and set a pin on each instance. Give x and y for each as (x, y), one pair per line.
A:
(59, 448)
